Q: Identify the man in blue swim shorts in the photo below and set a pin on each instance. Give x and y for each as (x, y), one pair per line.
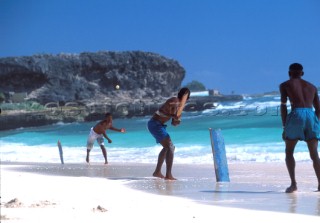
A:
(302, 123)
(157, 128)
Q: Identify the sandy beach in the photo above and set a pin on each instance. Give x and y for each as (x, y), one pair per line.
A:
(118, 192)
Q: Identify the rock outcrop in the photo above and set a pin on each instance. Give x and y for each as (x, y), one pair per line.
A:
(83, 87)
(94, 76)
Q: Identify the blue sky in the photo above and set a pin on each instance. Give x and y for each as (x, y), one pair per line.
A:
(244, 46)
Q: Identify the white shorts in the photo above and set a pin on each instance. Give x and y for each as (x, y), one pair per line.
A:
(92, 137)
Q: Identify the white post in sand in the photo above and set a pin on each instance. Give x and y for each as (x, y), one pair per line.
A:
(219, 156)
(60, 152)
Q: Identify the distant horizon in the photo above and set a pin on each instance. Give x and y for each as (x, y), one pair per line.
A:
(182, 85)
(234, 46)
(253, 94)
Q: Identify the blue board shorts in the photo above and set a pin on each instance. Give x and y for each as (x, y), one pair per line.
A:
(158, 130)
(302, 124)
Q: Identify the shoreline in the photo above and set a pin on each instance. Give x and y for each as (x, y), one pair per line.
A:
(254, 188)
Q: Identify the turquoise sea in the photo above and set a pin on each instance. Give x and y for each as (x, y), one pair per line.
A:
(251, 130)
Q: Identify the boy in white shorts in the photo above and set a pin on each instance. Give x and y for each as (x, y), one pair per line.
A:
(98, 132)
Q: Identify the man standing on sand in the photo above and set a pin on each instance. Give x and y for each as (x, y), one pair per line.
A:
(98, 132)
(302, 123)
(157, 128)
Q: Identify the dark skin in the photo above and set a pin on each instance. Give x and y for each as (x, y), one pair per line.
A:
(101, 128)
(169, 108)
(301, 94)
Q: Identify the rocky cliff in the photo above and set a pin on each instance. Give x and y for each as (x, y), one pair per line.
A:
(83, 87)
(94, 76)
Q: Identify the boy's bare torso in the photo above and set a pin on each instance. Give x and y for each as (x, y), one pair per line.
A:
(101, 127)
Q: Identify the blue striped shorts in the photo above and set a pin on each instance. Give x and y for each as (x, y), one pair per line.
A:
(302, 124)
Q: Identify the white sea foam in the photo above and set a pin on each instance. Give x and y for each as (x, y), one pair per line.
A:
(257, 140)
(184, 154)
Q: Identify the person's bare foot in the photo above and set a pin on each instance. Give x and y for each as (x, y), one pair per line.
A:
(105, 163)
(159, 175)
(292, 188)
(170, 178)
(87, 160)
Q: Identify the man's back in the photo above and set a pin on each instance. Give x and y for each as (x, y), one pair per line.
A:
(300, 93)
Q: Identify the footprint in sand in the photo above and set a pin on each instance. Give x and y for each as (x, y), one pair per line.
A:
(42, 204)
(14, 203)
(99, 208)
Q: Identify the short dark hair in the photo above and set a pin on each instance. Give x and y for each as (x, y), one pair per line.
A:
(295, 67)
(183, 91)
(108, 114)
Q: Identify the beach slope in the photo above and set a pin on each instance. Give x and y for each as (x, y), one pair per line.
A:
(124, 192)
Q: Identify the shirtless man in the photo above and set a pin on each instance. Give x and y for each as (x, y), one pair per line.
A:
(98, 132)
(302, 123)
(157, 128)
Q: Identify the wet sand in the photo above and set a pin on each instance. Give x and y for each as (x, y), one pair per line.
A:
(257, 187)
